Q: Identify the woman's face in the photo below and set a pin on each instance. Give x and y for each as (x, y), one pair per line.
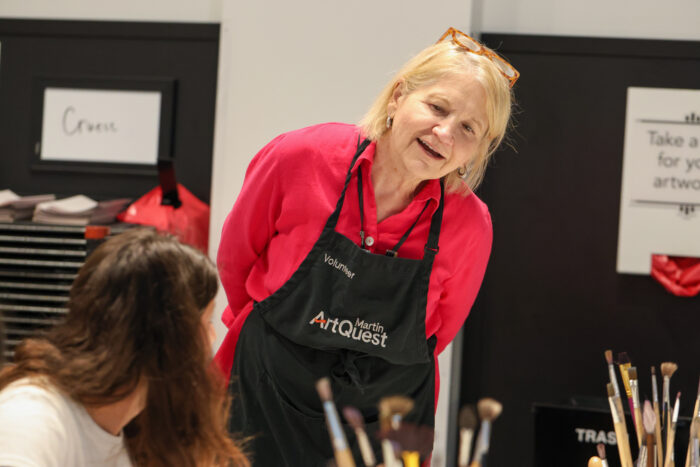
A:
(207, 325)
(438, 128)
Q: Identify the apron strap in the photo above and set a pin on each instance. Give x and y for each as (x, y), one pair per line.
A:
(395, 250)
(333, 219)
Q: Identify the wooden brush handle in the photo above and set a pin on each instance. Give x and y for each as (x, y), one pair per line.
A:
(623, 445)
(669, 446)
(343, 458)
(657, 434)
(639, 426)
(690, 441)
(650, 451)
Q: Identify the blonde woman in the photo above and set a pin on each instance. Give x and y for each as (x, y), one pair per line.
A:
(356, 252)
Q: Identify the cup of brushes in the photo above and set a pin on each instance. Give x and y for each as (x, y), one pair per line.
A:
(404, 444)
(654, 425)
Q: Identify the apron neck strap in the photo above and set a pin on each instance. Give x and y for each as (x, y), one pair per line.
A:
(333, 219)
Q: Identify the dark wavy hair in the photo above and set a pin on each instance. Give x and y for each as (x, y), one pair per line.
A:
(134, 314)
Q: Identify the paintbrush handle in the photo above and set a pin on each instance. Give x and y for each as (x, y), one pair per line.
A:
(639, 426)
(657, 433)
(623, 445)
(690, 441)
(650, 451)
(343, 458)
(631, 402)
(669, 446)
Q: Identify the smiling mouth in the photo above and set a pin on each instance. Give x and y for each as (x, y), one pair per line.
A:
(431, 152)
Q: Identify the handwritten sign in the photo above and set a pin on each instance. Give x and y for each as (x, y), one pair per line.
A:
(660, 202)
(97, 125)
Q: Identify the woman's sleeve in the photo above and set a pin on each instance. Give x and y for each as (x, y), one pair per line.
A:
(460, 289)
(249, 227)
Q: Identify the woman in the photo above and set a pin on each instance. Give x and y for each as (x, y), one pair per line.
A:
(127, 377)
(356, 253)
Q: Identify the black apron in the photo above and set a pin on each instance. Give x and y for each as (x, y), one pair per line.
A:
(347, 314)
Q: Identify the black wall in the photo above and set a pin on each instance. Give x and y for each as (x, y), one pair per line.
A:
(552, 302)
(185, 53)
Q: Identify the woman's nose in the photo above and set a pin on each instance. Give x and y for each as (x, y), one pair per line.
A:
(443, 131)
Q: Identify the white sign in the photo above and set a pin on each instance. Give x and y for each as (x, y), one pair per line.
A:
(660, 202)
(95, 125)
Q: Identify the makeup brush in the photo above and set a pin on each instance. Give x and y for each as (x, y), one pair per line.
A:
(467, 424)
(601, 453)
(671, 434)
(649, 421)
(634, 388)
(624, 363)
(391, 411)
(489, 410)
(354, 418)
(696, 413)
(667, 370)
(595, 461)
(416, 442)
(343, 456)
(657, 425)
(623, 445)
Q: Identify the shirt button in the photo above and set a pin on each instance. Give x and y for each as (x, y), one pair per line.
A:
(369, 241)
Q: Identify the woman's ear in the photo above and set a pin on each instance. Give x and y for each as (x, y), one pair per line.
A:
(396, 97)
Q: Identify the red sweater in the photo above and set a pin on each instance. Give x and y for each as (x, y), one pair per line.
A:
(292, 186)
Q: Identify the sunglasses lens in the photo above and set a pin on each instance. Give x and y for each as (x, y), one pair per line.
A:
(504, 67)
(468, 43)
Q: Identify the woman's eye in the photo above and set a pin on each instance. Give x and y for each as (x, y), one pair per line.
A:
(468, 129)
(436, 108)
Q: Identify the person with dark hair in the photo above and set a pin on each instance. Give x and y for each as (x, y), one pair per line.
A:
(355, 252)
(127, 377)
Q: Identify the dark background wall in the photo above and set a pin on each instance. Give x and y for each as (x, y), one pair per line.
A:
(552, 302)
(184, 53)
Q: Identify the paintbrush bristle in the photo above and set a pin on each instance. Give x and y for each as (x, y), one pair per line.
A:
(649, 418)
(601, 450)
(489, 409)
(467, 418)
(400, 405)
(623, 358)
(609, 357)
(611, 389)
(632, 372)
(323, 386)
(411, 437)
(354, 417)
(668, 368)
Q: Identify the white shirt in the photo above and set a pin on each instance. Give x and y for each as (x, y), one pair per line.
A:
(41, 427)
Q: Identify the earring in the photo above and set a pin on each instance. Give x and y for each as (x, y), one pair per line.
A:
(462, 171)
(389, 122)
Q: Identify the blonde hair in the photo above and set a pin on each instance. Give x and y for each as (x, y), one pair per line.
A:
(428, 67)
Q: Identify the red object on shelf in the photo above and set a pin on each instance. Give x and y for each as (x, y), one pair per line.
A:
(189, 222)
(679, 275)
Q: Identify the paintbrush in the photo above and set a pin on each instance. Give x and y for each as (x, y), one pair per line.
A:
(667, 370)
(623, 445)
(601, 453)
(416, 442)
(695, 439)
(354, 418)
(489, 410)
(634, 388)
(467, 424)
(649, 422)
(671, 434)
(391, 411)
(657, 425)
(696, 412)
(341, 450)
(624, 363)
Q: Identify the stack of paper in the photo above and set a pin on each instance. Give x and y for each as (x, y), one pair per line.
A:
(79, 210)
(14, 208)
